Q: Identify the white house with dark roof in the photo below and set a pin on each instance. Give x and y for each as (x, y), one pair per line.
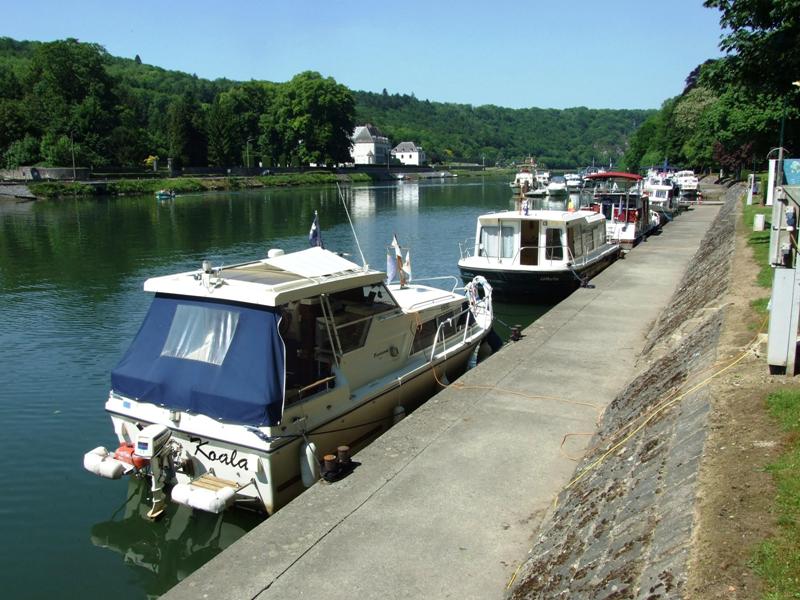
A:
(370, 146)
(409, 153)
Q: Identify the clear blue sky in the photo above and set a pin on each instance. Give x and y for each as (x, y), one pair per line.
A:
(556, 54)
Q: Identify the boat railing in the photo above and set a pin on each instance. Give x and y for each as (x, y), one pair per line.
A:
(452, 278)
(452, 322)
(422, 303)
(466, 247)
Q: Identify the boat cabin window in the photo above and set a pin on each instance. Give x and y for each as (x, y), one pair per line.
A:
(353, 310)
(599, 234)
(497, 241)
(588, 236)
(201, 333)
(575, 240)
(448, 325)
(554, 249)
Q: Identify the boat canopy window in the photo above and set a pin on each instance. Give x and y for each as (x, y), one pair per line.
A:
(219, 359)
(497, 241)
(200, 333)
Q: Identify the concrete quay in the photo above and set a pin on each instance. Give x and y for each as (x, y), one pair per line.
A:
(445, 504)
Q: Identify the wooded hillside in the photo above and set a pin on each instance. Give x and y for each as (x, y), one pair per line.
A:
(61, 97)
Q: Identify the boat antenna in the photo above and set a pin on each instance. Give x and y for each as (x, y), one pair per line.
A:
(353, 229)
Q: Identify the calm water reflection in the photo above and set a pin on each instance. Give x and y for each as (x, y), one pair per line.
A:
(71, 275)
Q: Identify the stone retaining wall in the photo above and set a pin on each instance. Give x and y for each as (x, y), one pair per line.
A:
(623, 529)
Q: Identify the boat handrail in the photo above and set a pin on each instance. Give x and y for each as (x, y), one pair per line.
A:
(422, 303)
(439, 278)
(452, 321)
(466, 250)
(312, 386)
(333, 334)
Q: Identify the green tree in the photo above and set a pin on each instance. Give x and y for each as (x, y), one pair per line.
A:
(221, 131)
(68, 91)
(22, 152)
(314, 117)
(185, 133)
(762, 42)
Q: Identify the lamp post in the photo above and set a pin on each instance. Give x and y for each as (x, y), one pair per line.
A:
(72, 150)
(247, 152)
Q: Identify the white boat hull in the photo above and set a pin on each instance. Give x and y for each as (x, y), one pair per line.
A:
(268, 476)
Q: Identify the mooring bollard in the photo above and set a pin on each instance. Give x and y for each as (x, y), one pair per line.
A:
(515, 333)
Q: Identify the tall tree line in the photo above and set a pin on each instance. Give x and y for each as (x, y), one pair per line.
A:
(66, 97)
(733, 109)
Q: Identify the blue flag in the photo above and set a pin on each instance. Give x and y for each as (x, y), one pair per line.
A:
(315, 235)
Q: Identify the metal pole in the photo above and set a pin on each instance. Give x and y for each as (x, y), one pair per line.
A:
(72, 148)
(779, 174)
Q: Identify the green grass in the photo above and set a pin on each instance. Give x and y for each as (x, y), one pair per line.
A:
(777, 560)
(184, 185)
(759, 242)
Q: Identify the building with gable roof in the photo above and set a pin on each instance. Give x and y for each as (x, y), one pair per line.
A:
(409, 153)
(370, 146)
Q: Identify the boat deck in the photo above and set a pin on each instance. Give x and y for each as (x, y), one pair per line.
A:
(444, 504)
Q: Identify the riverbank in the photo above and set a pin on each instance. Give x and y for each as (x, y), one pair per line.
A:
(187, 185)
(192, 185)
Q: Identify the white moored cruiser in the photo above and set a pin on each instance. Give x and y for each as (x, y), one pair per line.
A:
(545, 253)
(241, 379)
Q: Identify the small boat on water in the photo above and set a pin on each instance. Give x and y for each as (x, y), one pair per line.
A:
(537, 253)
(165, 194)
(245, 383)
(573, 181)
(557, 186)
(618, 196)
(524, 179)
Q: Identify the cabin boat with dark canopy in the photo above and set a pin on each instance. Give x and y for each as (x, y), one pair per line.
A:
(241, 379)
(618, 196)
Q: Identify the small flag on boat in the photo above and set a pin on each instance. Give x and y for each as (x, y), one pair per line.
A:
(407, 266)
(395, 266)
(315, 235)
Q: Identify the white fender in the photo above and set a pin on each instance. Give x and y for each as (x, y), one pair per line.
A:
(398, 414)
(309, 464)
(101, 462)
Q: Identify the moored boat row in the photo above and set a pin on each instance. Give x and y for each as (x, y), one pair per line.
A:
(247, 383)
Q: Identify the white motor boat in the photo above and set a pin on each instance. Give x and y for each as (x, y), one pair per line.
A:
(662, 193)
(573, 181)
(524, 180)
(244, 383)
(557, 186)
(687, 182)
(537, 253)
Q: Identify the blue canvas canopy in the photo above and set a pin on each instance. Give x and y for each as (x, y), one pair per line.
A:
(219, 359)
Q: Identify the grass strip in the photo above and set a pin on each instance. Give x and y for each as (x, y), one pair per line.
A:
(777, 559)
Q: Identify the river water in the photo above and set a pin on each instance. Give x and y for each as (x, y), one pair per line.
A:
(71, 275)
